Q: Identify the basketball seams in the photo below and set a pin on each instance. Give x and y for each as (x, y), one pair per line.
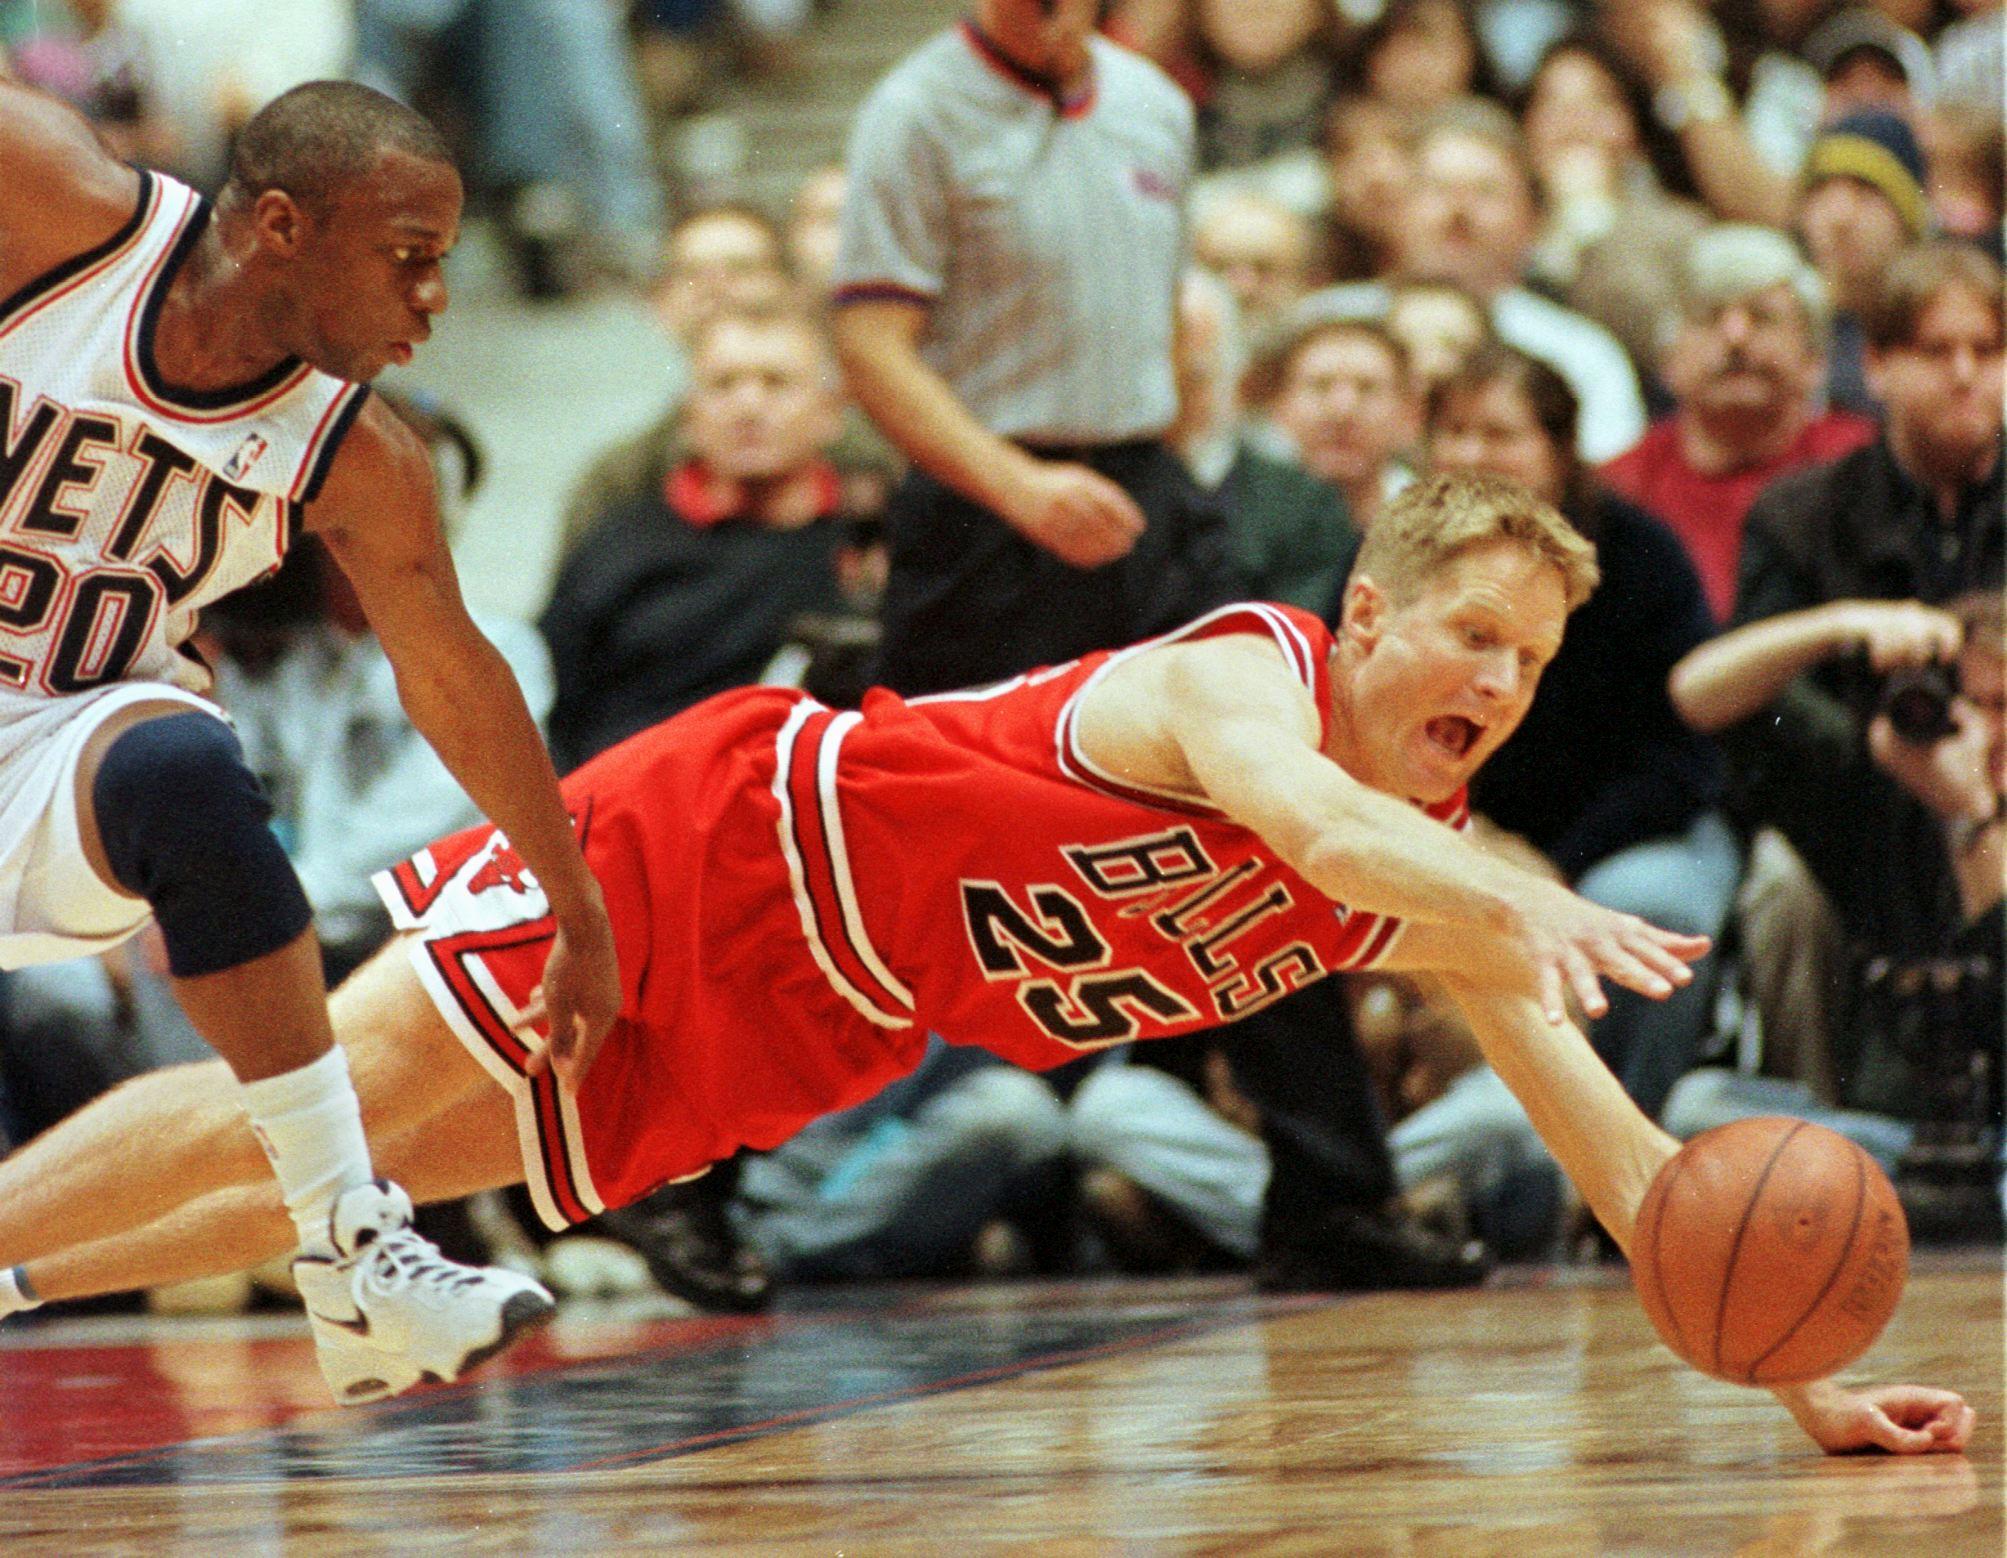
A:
(1656, 1244)
(1742, 1227)
(1839, 1265)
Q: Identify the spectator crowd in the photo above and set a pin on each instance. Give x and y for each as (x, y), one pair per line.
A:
(1721, 281)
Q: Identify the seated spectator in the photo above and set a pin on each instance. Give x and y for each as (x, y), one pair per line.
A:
(723, 259)
(904, 1184)
(1174, 1170)
(1369, 169)
(1419, 55)
(1966, 151)
(1438, 325)
(1340, 393)
(1971, 60)
(1259, 247)
(1844, 569)
(812, 221)
(1747, 368)
(1602, 777)
(1611, 237)
(680, 592)
(1291, 537)
(1471, 219)
(1868, 60)
(1863, 202)
(1742, 99)
(1916, 1045)
(1270, 78)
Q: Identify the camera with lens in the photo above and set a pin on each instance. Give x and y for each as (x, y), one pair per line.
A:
(1917, 701)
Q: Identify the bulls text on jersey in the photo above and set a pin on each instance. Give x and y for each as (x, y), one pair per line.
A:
(1165, 878)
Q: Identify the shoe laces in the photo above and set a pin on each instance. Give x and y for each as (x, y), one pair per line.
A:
(400, 1254)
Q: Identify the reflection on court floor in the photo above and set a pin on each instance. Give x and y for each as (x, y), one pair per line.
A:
(1538, 1415)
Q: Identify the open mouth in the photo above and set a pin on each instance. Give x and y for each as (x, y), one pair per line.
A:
(1453, 734)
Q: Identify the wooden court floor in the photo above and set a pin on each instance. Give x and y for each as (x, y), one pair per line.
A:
(1535, 1417)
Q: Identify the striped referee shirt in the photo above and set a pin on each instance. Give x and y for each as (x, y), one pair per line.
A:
(1045, 234)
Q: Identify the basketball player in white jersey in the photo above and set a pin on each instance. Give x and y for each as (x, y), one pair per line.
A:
(181, 389)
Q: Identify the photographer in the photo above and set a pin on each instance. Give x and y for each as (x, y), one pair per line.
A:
(1882, 773)
(1901, 824)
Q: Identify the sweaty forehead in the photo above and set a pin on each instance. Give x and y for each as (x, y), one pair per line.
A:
(406, 195)
(1509, 582)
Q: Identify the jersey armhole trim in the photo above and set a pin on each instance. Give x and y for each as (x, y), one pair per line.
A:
(327, 440)
(1297, 651)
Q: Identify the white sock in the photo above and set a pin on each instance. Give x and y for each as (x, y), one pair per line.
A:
(310, 1125)
(16, 1295)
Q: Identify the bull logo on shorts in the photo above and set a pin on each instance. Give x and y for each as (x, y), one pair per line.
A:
(504, 868)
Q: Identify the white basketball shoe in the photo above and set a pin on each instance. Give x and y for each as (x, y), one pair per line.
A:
(390, 1311)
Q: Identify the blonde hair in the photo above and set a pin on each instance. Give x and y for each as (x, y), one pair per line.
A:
(1443, 517)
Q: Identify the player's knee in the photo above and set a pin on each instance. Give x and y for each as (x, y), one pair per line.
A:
(184, 825)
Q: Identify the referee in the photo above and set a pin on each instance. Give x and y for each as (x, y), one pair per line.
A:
(1012, 238)
(1005, 290)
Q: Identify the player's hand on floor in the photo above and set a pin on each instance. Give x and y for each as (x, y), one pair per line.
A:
(1077, 514)
(1573, 945)
(580, 995)
(1901, 1419)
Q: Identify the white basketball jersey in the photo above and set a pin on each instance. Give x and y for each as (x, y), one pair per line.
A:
(128, 503)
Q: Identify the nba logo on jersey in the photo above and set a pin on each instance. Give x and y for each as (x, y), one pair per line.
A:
(248, 454)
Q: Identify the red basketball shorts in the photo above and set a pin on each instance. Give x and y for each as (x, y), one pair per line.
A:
(729, 1033)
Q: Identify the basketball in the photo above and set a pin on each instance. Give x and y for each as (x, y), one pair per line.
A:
(1770, 1252)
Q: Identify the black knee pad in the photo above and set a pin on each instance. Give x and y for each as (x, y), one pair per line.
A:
(184, 825)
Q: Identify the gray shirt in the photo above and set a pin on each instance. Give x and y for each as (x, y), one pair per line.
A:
(1046, 236)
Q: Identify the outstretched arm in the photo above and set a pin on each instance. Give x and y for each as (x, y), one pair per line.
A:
(1612, 1152)
(379, 518)
(1243, 732)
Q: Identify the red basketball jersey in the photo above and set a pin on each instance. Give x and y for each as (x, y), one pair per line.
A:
(961, 864)
(800, 895)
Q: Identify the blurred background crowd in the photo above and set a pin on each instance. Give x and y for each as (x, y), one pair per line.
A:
(1721, 280)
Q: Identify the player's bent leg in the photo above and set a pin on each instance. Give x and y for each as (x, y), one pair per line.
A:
(167, 811)
(387, 1309)
(128, 1157)
(172, 1136)
(466, 1147)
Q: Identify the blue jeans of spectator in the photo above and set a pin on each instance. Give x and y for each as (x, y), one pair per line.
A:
(553, 89)
(1151, 1128)
(905, 1195)
(1683, 882)
(1715, 1096)
(1477, 1133)
(1154, 1129)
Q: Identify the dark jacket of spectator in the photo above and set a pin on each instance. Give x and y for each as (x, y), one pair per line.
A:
(1602, 761)
(1858, 529)
(655, 610)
